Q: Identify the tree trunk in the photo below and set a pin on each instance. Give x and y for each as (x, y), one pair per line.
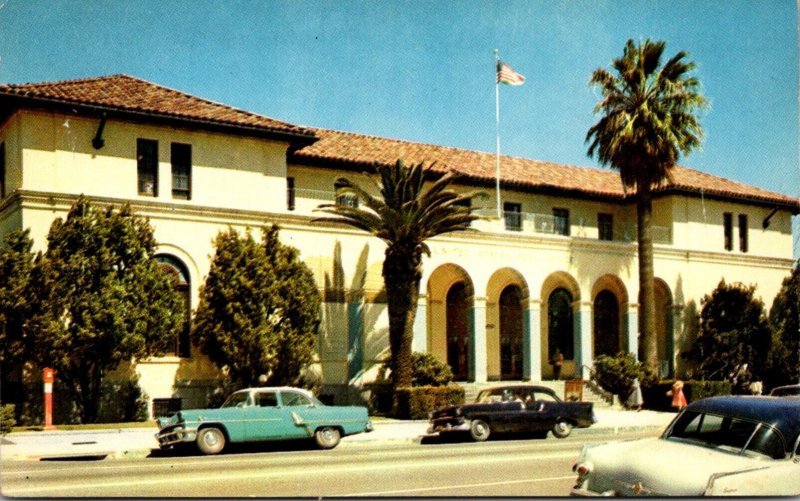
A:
(401, 273)
(647, 307)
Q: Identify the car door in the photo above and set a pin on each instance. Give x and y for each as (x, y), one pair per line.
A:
(540, 412)
(267, 419)
(301, 412)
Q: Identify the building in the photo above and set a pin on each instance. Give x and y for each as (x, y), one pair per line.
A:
(556, 270)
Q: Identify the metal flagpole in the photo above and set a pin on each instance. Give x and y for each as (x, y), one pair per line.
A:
(497, 130)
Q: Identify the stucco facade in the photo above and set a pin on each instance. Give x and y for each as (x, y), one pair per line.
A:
(558, 270)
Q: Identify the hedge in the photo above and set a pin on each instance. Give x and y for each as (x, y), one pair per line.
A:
(655, 396)
(7, 420)
(416, 402)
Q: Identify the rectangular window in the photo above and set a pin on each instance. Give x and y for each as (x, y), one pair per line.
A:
(561, 221)
(513, 216)
(465, 203)
(2, 170)
(290, 193)
(181, 158)
(743, 232)
(345, 199)
(727, 221)
(605, 226)
(147, 167)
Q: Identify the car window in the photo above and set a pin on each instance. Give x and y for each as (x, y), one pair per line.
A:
(290, 398)
(546, 397)
(266, 399)
(765, 441)
(238, 399)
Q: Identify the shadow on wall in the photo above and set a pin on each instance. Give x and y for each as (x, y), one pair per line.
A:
(350, 343)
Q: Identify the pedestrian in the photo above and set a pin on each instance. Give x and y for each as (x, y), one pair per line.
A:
(678, 399)
(557, 360)
(756, 387)
(635, 400)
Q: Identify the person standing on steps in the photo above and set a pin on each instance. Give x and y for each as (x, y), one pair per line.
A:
(557, 361)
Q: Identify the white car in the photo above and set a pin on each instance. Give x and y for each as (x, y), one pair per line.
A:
(736, 446)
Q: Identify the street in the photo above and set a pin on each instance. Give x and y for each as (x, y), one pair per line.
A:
(505, 467)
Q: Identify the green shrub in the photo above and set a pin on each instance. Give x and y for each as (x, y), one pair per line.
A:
(416, 402)
(7, 420)
(429, 370)
(616, 374)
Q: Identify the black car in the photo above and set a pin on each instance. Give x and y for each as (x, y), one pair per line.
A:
(513, 409)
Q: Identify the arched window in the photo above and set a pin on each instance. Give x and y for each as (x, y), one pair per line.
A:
(606, 324)
(560, 324)
(180, 279)
(511, 351)
(458, 331)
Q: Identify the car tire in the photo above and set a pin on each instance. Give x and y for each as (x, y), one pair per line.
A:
(562, 429)
(479, 430)
(210, 440)
(327, 437)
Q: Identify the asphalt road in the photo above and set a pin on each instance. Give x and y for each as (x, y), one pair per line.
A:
(507, 467)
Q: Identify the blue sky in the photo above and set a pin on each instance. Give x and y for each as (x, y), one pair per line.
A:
(424, 70)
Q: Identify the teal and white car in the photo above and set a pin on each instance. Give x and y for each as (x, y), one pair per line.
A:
(262, 414)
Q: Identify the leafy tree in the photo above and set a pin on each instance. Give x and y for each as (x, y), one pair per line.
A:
(16, 262)
(429, 370)
(648, 120)
(103, 299)
(405, 215)
(733, 329)
(784, 318)
(616, 374)
(259, 310)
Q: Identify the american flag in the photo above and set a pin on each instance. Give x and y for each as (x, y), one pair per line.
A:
(508, 76)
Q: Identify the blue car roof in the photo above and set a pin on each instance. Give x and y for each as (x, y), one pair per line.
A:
(782, 413)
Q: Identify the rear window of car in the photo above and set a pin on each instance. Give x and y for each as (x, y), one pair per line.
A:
(728, 433)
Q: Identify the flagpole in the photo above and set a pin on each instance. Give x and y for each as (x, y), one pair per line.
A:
(497, 133)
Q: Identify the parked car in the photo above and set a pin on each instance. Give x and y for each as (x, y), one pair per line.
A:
(513, 408)
(740, 446)
(790, 391)
(261, 414)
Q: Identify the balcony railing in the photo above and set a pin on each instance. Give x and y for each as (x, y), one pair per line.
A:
(519, 222)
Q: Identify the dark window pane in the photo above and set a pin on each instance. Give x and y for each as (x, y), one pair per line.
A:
(561, 222)
(743, 232)
(727, 219)
(513, 216)
(147, 167)
(181, 171)
(605, 226)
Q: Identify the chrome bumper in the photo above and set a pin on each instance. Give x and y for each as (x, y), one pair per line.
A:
(175, 436)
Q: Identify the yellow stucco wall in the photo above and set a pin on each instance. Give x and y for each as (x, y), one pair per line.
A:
(241, 182)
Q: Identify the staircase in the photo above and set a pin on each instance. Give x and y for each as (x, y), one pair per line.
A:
(591, 393)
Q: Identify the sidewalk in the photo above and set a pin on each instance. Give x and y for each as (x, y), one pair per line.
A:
(139, 442)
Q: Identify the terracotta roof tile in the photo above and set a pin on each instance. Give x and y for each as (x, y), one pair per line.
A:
(363, 150)
(126, 93)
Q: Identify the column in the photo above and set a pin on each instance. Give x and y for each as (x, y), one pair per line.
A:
(632, 321)
(477, 328)
(420, 342)
(532, 341)
(583, 339)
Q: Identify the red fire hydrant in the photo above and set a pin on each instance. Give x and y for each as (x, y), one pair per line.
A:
(49, 377)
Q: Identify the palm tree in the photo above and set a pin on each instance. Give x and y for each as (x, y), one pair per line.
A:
(648, 120)
(404, 216)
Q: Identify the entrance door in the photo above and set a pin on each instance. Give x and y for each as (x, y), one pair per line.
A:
(458, 331)
(511, 351)
(606, 324)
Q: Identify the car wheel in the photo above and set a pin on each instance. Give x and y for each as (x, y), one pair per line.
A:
(479, 430)
(328, 437)
(562, 429)
(210, 440)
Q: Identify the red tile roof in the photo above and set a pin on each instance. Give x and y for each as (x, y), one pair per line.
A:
(130, 94)
(133, 95)
(362, 151)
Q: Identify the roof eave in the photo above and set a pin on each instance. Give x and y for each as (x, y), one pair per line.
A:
(13, 102)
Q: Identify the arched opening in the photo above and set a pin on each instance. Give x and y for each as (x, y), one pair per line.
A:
(458, 330)
(181, 281)
(560, 322)
(664, 335)
(511, 333)
(606, 324)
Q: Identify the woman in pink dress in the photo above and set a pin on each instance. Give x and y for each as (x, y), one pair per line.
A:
(678, 399)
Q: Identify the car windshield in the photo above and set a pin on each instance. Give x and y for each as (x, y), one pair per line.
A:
(238, 399)
(728, 433)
